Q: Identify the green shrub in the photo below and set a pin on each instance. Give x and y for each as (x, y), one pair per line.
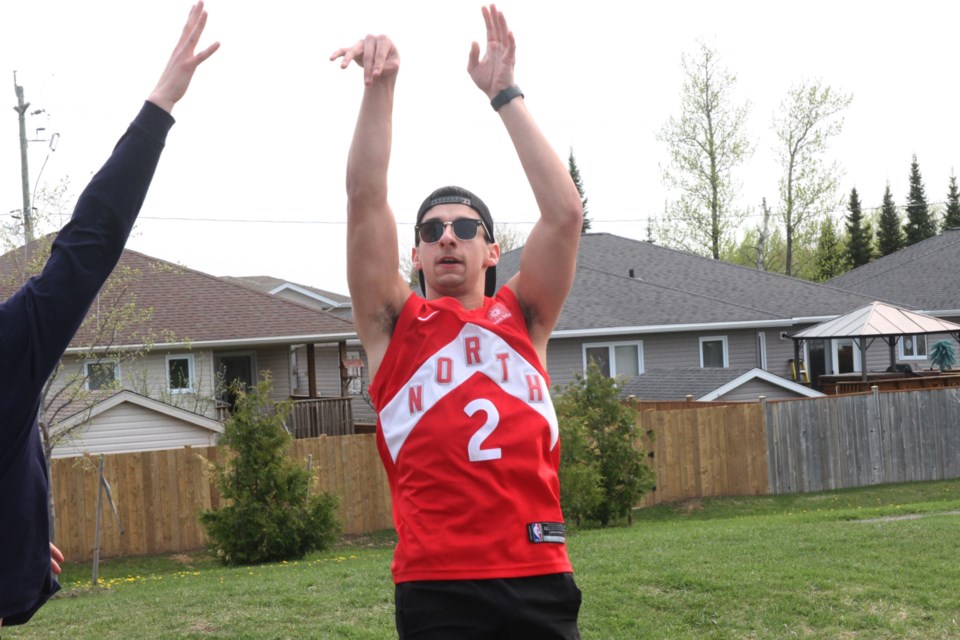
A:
(270, 513)
(602, 474)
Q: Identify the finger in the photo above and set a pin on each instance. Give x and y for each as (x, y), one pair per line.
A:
(194, 37)
(55, 567)
(55, 552)
(348, 54)
(501, 22)
(369, 57)
(192, 17)
(384, 47)
(206, 53)
(473, 61)
(488, 21)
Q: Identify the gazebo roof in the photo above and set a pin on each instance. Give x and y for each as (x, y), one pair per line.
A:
(877, 320)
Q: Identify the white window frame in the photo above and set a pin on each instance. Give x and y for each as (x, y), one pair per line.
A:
(761, 349)
(612, 354)
(914, 357)
(191, 373)
(86, 370)
(726, 350)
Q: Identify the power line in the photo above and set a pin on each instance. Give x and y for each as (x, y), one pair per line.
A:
(632, 220)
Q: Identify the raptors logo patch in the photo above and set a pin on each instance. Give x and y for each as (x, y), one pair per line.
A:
(498, 312)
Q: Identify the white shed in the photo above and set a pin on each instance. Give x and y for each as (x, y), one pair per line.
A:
(126, 422)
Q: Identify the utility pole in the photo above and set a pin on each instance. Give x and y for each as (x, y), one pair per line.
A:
(21, 109)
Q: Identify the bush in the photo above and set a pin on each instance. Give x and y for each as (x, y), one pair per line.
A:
(270, 513)
(602, 474)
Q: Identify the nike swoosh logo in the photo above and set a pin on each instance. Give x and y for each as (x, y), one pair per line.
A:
(427, 317)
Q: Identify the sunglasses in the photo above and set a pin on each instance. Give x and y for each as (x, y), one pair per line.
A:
(464, 228)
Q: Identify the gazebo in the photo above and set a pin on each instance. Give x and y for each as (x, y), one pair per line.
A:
(876, 320)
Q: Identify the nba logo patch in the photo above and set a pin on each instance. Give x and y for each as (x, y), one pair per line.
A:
(536, 532)
(497, 313)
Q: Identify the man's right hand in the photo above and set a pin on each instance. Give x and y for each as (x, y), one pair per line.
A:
(377, 55)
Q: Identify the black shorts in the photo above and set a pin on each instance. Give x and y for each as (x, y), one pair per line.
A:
(541, 607)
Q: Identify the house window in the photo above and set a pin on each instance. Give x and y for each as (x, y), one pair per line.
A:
(101, 374)
(713, 352)
(615, 358)
(180, 374)
(913, 347)
(762, 350)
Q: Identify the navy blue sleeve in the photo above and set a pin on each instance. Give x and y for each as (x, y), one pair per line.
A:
(38, 322)
(36, 326)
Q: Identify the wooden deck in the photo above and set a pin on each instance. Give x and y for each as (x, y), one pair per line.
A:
(885, 381)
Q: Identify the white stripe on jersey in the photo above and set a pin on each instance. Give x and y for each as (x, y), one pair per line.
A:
(396, 419)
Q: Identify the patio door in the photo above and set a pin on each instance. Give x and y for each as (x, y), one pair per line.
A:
(846, 356)
(237, 370)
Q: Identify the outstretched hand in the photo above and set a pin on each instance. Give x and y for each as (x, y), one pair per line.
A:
(376, 55)
(183, 61)
(494, 72)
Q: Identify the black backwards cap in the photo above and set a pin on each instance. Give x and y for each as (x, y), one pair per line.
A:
(459, 195)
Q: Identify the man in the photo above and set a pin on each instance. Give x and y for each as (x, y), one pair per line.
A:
(38, 322)
(466, 429)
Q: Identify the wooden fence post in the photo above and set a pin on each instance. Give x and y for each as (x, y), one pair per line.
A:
(96, 530)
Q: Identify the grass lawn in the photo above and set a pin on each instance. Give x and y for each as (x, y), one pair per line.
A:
(882, 562)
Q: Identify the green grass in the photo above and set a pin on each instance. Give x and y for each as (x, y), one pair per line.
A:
(845, 564)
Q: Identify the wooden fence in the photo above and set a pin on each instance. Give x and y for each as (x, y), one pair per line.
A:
(800, 446)
(858, 440)
(699, 450)
(705, 450)
(159, 494)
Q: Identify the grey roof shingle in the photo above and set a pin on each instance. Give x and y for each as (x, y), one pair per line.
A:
(190, 305)
(924, 276)
(677, 384)
(671, 287)
(269, 283)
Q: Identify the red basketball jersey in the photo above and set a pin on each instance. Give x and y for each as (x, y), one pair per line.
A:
(468, 435)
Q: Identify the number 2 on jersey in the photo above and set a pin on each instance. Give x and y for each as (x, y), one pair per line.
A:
(474, 450)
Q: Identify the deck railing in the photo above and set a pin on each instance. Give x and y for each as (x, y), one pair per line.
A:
(312, 417)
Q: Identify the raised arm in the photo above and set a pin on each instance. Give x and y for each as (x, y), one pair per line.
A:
(376, 286)
(548, 261)
(38, 321)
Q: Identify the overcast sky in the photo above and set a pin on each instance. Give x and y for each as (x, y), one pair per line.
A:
(251, 181)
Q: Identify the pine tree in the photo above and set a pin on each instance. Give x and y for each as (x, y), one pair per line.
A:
(830, 257)
(602, 473)
(889, 233)
(952, 218)
(859, 234)
(920, 224)
(578, 182)
(271, 513)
